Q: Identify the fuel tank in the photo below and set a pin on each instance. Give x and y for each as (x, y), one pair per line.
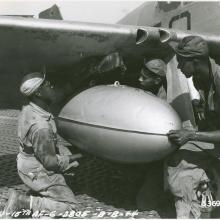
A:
(119, 123)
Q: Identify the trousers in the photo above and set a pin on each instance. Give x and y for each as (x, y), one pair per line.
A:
(51, 189)
(186, 169)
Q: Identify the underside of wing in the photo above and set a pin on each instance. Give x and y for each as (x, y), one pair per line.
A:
(33, 43)
(71, 51)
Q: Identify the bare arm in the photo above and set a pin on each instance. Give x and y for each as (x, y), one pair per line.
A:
(74, 157)
(211, 136)
(180, 137)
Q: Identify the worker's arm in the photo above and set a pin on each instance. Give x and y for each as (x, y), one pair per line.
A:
(74, 157)
(44, 148)
(180, 137)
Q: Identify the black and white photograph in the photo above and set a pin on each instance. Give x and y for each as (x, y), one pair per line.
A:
(109, 109)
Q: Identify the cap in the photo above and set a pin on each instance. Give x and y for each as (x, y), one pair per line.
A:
(156, 66)
(31, 82)
(192, 46)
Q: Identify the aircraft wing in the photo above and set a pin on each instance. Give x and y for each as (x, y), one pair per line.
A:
(32, 43)
(28, 44)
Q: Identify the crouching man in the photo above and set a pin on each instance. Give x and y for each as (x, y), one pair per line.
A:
(195, 165)
(39, 163)
(152, 78)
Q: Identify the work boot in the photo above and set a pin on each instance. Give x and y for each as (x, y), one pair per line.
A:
(16, 202)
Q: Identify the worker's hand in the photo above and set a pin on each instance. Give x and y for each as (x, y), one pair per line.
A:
(74, 164)
(180, 137)
(74, 157)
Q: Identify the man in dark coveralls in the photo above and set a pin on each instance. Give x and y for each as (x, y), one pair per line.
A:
(40, 164)
(152, 78)
(195, 165)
